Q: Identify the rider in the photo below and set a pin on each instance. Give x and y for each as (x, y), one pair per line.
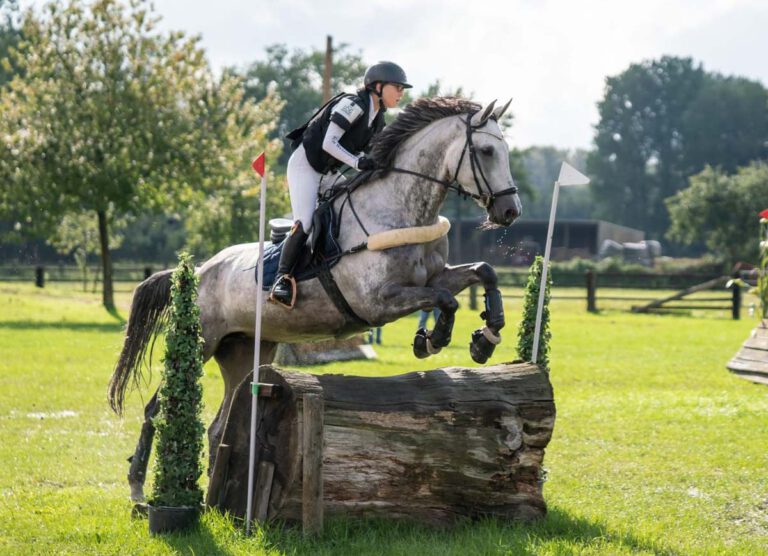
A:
(338, 134)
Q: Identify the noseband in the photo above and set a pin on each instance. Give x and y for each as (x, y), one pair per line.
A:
(485, 195)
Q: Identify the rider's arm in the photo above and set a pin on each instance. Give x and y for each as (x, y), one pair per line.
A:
(343, 115)
(332, 146)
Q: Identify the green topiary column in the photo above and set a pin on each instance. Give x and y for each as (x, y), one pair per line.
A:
(179, 426)
(528, 324)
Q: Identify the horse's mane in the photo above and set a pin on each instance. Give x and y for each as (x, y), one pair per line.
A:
(415, 117)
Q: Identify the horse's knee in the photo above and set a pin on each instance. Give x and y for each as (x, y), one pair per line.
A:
(446, 302)
(487, 275)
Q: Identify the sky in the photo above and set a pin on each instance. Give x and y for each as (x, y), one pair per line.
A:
(551, 56)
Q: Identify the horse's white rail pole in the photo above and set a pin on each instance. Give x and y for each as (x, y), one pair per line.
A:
(258, 166)
(568, 176)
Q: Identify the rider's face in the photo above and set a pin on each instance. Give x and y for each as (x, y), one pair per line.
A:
(391, 94)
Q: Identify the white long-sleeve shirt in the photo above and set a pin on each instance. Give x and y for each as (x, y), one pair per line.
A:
(350, 111)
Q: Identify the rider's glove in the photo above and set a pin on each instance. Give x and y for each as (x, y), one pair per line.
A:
(365, 163)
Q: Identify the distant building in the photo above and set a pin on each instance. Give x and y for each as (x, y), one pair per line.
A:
(521, 242)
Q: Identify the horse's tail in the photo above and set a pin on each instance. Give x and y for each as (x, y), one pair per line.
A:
(147, 318)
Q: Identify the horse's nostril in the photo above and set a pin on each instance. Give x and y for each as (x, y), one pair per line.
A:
(510, 215)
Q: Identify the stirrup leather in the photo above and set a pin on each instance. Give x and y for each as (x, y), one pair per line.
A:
(292, 281)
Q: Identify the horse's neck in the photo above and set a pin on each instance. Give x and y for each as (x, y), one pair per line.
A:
(418, 200)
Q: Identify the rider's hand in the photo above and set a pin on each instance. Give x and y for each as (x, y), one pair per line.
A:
(365, 163)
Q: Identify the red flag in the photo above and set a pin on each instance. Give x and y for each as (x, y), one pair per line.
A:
(258, 164)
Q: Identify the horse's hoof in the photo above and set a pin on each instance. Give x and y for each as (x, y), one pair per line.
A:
(482, 345)
(139, 511)
(420, 348)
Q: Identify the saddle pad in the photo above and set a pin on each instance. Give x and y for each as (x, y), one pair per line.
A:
(324, 252)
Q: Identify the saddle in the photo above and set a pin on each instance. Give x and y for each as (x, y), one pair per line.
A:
(320, 254)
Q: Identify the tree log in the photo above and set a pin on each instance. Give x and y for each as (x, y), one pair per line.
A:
(433, 446)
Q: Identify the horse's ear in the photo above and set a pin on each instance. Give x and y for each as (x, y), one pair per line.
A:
(480, 117)
(499, 112)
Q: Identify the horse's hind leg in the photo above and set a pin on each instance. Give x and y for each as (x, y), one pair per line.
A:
(137, 472)
(235, 358)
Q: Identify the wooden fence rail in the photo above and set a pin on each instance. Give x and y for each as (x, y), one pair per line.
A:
(591, 281)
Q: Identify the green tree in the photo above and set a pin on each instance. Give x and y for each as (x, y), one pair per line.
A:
(10, 35)
(662, 121)
(725, 125)
(77, 234)
(636, 163)
(116, 118)
(721, 210)
(297, 78)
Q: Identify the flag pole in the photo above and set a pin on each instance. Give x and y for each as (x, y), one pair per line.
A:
(568, 176)
(258, 166)
(545, 264)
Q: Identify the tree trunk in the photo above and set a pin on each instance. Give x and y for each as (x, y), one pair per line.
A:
(432, 446)
(108, 296)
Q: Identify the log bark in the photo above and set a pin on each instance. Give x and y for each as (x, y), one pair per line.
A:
(433, 446)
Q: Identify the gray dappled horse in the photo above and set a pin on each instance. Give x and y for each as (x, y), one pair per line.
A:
(434, 146)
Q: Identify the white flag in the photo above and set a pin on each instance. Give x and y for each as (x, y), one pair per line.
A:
(571, 176)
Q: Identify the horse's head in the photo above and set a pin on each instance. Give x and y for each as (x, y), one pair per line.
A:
(482, 165)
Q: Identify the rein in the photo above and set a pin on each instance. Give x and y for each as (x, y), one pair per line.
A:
(485, 199)
(334, 193)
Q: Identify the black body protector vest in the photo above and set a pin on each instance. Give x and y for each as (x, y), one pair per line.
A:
(357, 133)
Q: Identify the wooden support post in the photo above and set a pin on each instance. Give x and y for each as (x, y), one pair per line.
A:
(591, 292)
(735, 299)
(263, 490)
(312, 452)
(218, 476)
(147, 272)
(39, 277)
(327, 69)
(473, 297)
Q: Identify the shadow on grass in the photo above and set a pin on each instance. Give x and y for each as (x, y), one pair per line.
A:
(62, 325)
(491, 536)
(198, 541)
(114, 313)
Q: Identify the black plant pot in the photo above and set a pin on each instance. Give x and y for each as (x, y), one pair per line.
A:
(168, 519)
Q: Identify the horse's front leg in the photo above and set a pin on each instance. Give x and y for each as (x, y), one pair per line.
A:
(400, 300)
(457, 278)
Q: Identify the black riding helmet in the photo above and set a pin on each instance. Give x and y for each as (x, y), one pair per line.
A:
(385, 72)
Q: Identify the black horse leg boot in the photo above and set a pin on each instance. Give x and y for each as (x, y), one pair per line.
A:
(284, 289)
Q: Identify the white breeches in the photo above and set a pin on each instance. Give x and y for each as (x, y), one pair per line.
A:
(303, 184)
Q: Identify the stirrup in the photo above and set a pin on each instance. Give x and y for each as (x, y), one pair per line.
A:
(294, 288)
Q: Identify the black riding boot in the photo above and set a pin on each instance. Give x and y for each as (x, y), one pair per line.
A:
(284, 289)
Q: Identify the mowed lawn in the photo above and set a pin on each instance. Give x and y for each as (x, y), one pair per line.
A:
(657, 448)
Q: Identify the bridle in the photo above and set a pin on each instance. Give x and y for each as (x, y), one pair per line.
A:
(485, 195)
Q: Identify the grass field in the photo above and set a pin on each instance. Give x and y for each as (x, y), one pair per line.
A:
(657, 448)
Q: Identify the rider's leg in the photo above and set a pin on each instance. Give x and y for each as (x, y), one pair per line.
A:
(303, 183)
(284, 290)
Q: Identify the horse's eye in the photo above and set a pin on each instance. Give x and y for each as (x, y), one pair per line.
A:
(486, 151)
